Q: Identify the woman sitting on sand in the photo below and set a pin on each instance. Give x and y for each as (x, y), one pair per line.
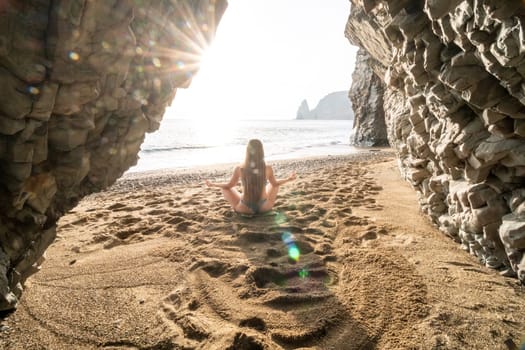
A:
(256, 197)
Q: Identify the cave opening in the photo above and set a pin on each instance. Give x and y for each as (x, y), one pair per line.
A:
(159, 261)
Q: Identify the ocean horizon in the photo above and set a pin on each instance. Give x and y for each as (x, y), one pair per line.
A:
(187, 143)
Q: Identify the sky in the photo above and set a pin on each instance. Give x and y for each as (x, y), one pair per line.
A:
(268, 56)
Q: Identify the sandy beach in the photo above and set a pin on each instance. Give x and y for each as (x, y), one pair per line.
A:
(344, 261)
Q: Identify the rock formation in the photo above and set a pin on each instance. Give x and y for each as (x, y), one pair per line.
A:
(303, 112)
(366, 95)
(82, 82)
(335, 105)
(454, 107)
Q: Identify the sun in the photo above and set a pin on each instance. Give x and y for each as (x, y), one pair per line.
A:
(196, 61)
(178, 60)
(208, 97)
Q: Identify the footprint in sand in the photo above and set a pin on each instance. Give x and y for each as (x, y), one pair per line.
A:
(116, 206)
(355, 221)
(375, 207)
(175, 220)
(304, 220)
(128, 220)
(323, 249)
(303, 208)
(254, 323)
(321, 198)
(367, 235)
(122, 207)
(156, 212)
(184, 226)
(344, 211)
(314, 231)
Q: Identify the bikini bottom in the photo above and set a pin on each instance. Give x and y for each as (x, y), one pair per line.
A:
(254, 206)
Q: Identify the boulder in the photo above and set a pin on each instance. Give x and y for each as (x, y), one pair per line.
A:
(512, 232)
(479, 195)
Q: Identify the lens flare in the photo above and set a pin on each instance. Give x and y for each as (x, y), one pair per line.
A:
(33, 90)
(287, 238)
(280, 218)
(303, 273)
(293, 251)
(156, 62)
(73, 56)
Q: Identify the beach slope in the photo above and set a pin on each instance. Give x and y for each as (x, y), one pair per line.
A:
(345, 261)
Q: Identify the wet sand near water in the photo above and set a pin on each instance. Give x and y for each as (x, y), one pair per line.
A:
(344, 261)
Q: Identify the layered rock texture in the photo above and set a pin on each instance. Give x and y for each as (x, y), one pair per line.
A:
(454, 104)
(82, 82)
(335, 105)
(366, 95)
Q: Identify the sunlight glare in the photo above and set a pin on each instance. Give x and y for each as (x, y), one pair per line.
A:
(214, 79)
(213, 132)
(253, 70)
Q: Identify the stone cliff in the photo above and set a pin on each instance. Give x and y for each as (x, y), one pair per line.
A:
(335, 105)
(366, 95)
(454, 108)
(82, 82)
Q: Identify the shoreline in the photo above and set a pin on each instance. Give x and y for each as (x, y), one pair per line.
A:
(169, 176)
(181, 145)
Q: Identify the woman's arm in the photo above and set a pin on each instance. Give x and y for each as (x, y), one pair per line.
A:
(275, 182)
(233, 181)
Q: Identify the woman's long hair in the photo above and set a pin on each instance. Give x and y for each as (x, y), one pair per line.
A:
(254, 172)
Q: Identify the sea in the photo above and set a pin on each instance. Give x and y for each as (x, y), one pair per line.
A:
(186, 144)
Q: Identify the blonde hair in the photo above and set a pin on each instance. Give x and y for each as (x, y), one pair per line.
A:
(254, 172)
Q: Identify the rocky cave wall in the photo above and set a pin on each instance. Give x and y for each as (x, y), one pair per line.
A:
(454, 104)
(366, 95)
(82, 82)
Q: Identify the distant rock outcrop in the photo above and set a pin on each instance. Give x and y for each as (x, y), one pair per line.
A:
(82, 82)
(454, 104)
(335, 105)
(304, 111)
